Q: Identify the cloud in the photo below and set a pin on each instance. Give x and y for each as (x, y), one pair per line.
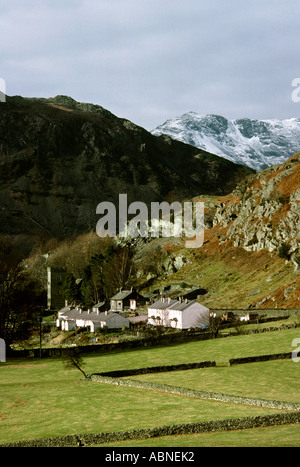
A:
(149, 61)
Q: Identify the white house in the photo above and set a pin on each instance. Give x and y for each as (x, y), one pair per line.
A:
(180, 314)
(69, 319)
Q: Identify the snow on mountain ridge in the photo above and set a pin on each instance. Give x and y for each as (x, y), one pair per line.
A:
(255, 143)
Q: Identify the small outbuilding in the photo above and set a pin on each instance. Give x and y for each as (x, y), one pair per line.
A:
(126, 300)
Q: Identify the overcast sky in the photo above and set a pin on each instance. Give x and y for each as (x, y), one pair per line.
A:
(151, 60)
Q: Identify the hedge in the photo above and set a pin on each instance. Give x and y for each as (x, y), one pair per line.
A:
(260, 358)
(139, 343)
(157, 369)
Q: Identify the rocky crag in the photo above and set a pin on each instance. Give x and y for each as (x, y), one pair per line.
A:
(265, 212)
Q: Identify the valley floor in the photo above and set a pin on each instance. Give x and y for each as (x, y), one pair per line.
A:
(41, 399)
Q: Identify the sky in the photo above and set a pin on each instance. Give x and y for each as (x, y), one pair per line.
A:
(152, 60)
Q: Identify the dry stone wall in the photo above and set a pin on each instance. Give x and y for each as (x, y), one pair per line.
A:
(271, 404)
(172, 430)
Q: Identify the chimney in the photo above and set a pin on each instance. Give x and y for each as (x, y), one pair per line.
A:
(169, 300)
(106, 312)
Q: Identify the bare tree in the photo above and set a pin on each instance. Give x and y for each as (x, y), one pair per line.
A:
(119, 273)
(215, 325)
(18, 296)
(73, 359)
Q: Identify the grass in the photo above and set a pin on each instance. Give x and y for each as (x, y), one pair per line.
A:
(43, 400)
(219, 350)
(275, 380)
(39, 398)
(230, 274)
(261, 326)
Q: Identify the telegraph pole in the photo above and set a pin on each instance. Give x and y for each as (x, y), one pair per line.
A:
(40, 321)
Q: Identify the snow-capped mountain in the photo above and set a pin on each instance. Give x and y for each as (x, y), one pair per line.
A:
(255, 143)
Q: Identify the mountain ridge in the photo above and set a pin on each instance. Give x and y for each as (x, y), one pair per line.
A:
(255, 143)
(59, 159)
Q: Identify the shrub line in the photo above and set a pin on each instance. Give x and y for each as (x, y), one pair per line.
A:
(158, 369)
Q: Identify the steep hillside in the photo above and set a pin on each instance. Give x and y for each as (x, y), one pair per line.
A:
(60, 158)
(265, 213)
(251, 254)
(255, 143)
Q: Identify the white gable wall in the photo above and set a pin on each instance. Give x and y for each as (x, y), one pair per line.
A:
(196, 316)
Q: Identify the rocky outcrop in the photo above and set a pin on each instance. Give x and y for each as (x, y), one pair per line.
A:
(264, 213)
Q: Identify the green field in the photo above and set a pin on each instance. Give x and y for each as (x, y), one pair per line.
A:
(274, 380)
(40, 398)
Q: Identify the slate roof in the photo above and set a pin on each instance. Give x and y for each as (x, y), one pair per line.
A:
(122, 295)
(99, 305)
(180, 306)
(126, 293)
(162, 304)
(74, 314)
(174, 305)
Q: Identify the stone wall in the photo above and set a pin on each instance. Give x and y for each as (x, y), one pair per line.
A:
(172, 430)
(271, 404)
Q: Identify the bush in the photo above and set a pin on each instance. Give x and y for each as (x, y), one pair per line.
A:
(283, 251)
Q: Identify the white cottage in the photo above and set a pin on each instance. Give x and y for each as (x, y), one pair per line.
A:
(180, 314)
(69, 319)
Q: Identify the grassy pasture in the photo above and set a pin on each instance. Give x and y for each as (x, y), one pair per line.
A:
(39, 398)
(274, 380)
(219, 350)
